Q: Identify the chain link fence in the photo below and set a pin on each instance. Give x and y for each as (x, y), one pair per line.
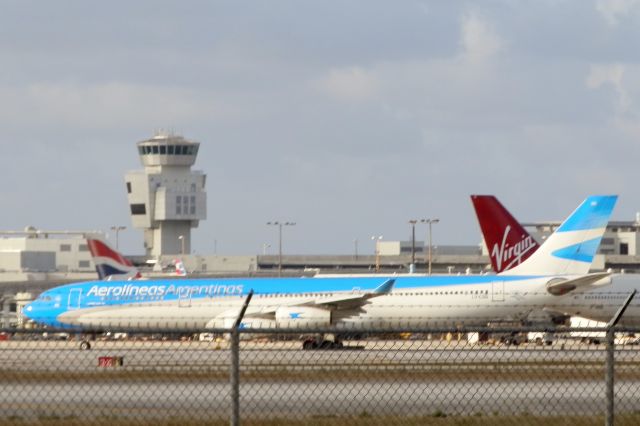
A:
(475, 376)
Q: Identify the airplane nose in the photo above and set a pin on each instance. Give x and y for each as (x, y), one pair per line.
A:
(30, 311)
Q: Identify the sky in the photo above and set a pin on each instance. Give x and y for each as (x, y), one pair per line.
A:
(347, 117)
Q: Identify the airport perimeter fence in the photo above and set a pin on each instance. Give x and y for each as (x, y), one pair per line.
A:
(472, 376)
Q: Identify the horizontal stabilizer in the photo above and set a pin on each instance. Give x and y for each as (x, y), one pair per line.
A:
(560, 286)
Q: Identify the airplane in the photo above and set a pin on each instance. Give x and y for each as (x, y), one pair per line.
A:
(561, 266)
(509, 244)
(110, 264)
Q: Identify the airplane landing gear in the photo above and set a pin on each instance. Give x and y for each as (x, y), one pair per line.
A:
(322, 343)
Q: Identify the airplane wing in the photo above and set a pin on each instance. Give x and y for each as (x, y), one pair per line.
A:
(560, 286)
(339, 301)
(356, 298)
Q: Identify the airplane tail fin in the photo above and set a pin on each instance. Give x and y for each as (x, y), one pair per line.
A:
(109, 263)
(181, 271)
(571, 248)
(508, 243)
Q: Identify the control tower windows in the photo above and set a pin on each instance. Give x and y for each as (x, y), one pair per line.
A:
(138, 209)
(168, 150)
(192, 207)
(178, 204)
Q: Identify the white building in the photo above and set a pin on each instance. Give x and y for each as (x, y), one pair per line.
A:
(34, 250)
(167, 198)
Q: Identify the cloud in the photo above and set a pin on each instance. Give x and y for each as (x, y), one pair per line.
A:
(478, 39)
(614, 10)
(612, 75)
(350, 84)
(108, 105)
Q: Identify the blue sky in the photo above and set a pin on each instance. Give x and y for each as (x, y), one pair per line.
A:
(349, 118)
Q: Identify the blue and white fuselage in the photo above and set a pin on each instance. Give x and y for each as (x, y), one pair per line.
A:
(291, 302)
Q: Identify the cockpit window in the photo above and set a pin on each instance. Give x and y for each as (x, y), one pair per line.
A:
(45, 298)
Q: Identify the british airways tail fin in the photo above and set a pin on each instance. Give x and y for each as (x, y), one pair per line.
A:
(571, 248)
(110, 264)
(508, 243)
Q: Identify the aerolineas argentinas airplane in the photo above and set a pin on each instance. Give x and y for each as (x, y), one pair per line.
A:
(558, 267)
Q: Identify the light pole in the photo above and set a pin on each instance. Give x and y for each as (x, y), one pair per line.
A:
(117, 229)
(377, 238)
(413, 222)
(265, 246)
(429, 222)
(280, 225)
(181, 238)
(355, 249)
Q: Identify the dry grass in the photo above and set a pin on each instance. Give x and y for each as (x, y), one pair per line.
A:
(484, 372)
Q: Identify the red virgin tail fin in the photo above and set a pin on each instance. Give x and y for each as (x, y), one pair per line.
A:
(509, 244)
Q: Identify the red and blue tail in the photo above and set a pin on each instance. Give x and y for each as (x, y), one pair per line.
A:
(110, 264)
(568, 251)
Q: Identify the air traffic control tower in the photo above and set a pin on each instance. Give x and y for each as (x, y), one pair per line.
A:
(167, 198)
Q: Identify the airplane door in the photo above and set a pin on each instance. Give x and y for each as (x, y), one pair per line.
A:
(497, 291)
(75, 297)
(184, 299)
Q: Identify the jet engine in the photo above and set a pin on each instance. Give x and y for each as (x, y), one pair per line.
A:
(302, 316)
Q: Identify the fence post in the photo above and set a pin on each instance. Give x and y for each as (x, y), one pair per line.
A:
(608, 377)
(235, 363)
(235, 377)
(609, 361)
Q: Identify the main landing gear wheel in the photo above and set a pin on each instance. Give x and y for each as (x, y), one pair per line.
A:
(313, 344)
(85, 346)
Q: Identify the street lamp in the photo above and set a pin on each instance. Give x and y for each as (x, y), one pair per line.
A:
(355, 249)
(181, 238)
(280, 225)
(413, 222)
(265, 246)
(377, 238)
(429, 222)
(117, 229)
